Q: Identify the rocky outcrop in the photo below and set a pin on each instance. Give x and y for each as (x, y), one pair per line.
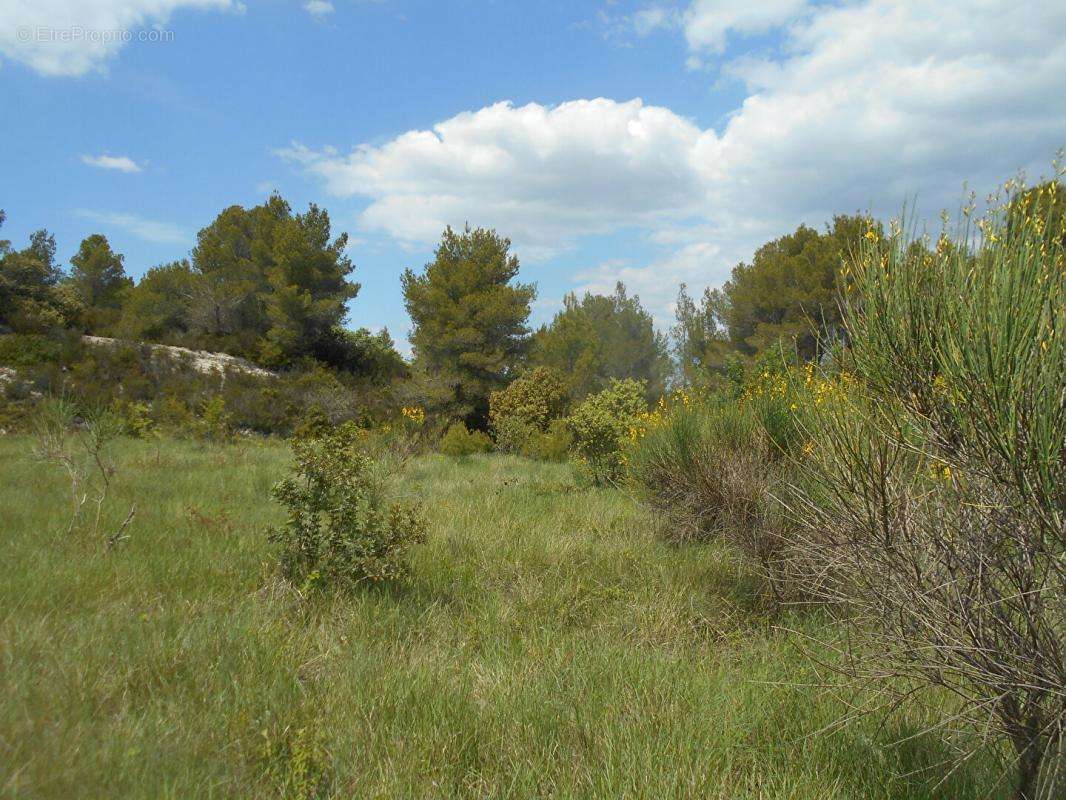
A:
(200, 360)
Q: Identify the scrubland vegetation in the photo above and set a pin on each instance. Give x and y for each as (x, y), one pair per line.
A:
(818, 554)
(548, 642)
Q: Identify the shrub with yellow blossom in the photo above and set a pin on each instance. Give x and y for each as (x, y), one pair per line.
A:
(520, 413)
(931, 504)
(603, 424)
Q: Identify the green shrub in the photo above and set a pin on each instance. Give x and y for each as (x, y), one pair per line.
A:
(707, 466)
(14, 416)
(78, 441)
(459, 442)
(296, 762)
(172, 412)
(555, 443)
(777, 401)
(313, 424)
(26, 350)
(92, 375)
(515, 436)
(135, 418)
(341, 531)
(602, 426)
(525, 408)
(215, 422)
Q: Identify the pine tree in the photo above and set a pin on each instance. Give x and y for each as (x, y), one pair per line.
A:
(469, 317)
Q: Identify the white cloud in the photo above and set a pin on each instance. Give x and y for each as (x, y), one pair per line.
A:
(691, 264)
(120, 163)
(708, 23)
(319, 9)
(648, 20)
(864, 106)
(73, 37)
(147, 229)
(542, 174)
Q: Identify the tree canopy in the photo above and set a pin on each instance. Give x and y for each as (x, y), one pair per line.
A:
(788, 295)
(262, 283)
(99, 281)
(469, 316)
(31, 297)
(601, 338)
(701, 341)
(789, 290)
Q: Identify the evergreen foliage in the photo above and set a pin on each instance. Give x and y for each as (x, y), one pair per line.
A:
(469, 322)
(599, 339)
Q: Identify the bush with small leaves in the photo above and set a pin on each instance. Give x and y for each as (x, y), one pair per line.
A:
(601, 426)
(173, 413)
(515, 436)
(296, 762)
(312, 424)
(525, 408)
(341, 530)
(459, 442)
(215, 422)
(135, 418)
(555, 443)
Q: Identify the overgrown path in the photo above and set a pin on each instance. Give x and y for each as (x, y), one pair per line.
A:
(549, 645)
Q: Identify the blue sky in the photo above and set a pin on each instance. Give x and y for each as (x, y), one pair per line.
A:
(649, 142)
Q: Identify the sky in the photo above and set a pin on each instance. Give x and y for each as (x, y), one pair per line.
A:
(650, 142)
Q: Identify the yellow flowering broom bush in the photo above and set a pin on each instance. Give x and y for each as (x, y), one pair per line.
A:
(931, 509)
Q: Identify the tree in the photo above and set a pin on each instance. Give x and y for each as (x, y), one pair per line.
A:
(262, 283)
(469, 320)
(272, 284)
(363, 354)
(603, 338)
(157, 309)
(99, 281)
(309, 290)
(31, 300)
(701, 342)
(790, 289)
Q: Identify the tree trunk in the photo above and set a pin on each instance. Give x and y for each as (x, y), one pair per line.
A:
(1029, 760)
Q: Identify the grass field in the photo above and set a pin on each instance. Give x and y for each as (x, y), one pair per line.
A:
(550, 644)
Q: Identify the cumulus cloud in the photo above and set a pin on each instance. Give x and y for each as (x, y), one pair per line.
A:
(543, 174)
(120, 163)
(319, 9)
(74, 37)
(147, 229)
(708, 23)
(863, 107)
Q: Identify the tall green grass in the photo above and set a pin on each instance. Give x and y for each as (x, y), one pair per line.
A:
(549, 644)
